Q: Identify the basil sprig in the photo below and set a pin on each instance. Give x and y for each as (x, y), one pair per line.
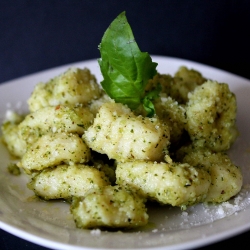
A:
(125, 69)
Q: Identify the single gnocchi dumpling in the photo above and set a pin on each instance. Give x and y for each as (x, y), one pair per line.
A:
(75, 86)
(211, 116)
(178, 86)
(10, 134)
(226, 177)
(175, 184)
(109, 207)
(55, 119)
(185, 81)
(65, 181)
(52, 149)
(123, 136)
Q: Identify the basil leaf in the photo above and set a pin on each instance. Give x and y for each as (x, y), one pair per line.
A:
(149, 98)
(125, 69)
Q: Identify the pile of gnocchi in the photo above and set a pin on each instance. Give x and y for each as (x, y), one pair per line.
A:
(78, 145)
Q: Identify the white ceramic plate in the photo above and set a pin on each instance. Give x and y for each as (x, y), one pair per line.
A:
(50, 223)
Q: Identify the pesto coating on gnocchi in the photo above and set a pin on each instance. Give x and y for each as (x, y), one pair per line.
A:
(15, 144)
(67, 181)
(55, 119)
(109, 206)
(226, 178)
(120, 134)
(73, 86)
(52, 149)
(174, 184)
(211, 114)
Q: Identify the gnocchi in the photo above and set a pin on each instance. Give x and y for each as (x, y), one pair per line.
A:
(107, 161)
